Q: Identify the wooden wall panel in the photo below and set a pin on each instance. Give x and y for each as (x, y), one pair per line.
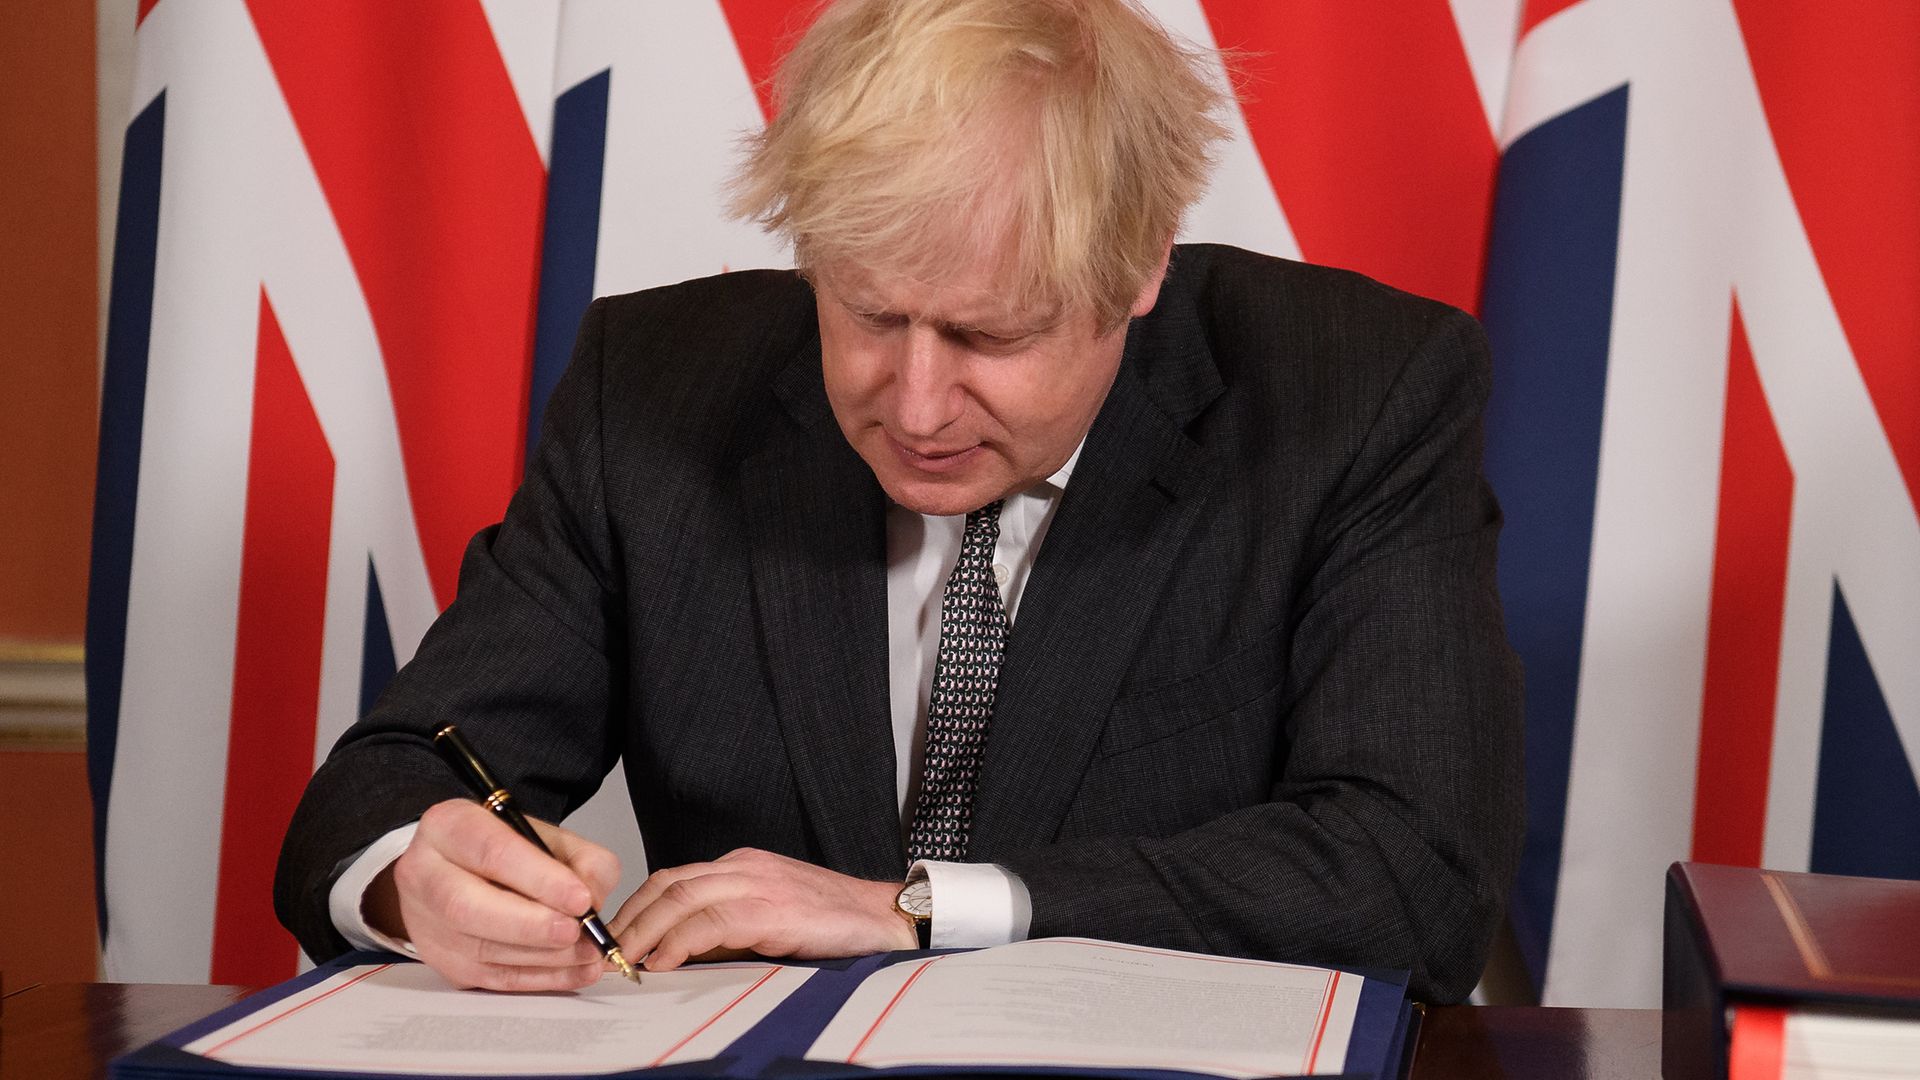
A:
(46, 868)
(49, 375)
(48, 316)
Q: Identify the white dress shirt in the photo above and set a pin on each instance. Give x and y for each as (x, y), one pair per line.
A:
(974, 904)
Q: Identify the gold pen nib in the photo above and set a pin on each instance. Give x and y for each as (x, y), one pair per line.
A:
(620, 962)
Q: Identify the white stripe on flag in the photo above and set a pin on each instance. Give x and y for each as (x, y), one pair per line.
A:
(678, 103)
(1636, 738)
(1487, 32)
(1239, 207)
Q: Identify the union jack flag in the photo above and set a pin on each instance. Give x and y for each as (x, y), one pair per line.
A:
(355, 238)
(1703, 293)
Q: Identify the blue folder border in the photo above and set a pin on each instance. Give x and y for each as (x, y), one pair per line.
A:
(774, 1049)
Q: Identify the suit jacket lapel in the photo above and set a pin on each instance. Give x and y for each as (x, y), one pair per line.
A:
(817, 531)
(1100, 571)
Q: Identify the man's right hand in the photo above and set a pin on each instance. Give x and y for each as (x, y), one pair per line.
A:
(485, 908)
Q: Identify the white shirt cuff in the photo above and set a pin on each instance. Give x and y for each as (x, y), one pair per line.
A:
(350, 889)
(974, 904)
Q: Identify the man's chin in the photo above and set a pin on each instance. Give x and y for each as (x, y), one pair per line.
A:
(939, 498)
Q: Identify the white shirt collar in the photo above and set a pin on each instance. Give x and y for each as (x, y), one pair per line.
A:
(1058, 481)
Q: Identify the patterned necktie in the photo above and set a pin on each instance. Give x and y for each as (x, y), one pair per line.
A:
(973, 633)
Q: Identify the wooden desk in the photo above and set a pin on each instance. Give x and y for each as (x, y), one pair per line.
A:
(1462, 1042)
(69, 1031)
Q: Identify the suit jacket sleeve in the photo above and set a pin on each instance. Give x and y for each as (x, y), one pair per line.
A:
(1391, 831)
(520, 660)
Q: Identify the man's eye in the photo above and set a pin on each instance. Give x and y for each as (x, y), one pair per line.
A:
(880, 319)
(991, 342)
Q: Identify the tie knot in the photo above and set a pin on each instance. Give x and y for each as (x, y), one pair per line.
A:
(984, 523)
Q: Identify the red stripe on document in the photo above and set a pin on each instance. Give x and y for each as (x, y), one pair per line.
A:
(426, 160)
(763, 31)
(1759, 1044)
(214, 1050)
(714, 1019)
(888, 1011)
(1841, 88)
(276, 662)
(1371, 128)
(1744, 626)
(1320, 1026)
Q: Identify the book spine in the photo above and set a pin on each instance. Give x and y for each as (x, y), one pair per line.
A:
(1693, 1035)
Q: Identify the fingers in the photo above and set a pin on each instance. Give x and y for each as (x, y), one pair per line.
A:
(475, 907)
(471, 838)
(699, 905)
(731, 926)
(760, 902)
(486, 908)
(650, 890)
(597, 867)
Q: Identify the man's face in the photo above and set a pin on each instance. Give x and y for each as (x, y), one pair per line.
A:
(953, 399)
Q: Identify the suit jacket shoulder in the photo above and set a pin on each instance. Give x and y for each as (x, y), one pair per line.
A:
(686, 368)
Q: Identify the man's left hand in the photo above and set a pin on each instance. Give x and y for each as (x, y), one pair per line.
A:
(751, 901)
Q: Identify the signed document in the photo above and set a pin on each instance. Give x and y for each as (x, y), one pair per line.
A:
(1073, 1003)
(404, 1018)
(1070, 1006)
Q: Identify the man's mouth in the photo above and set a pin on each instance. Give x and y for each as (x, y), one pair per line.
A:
(935, 459)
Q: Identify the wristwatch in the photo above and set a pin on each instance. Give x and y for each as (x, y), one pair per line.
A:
(915, 903)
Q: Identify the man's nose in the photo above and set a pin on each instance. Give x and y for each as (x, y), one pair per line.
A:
(928, 393)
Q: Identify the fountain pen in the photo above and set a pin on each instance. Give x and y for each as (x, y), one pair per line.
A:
(494, 796)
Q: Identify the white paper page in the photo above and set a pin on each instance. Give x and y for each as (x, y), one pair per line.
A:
(404, 1018)
(1833, 1044)
(1073, 1002)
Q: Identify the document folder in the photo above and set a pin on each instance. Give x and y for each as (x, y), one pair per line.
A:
(822, 1002)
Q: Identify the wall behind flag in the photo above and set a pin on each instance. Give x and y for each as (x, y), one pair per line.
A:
(48, 311)
(48, 381)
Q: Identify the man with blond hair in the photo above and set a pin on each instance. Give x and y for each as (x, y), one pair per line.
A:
(1005, 558)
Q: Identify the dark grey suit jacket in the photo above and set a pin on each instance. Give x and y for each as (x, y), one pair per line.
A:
(1258, 700)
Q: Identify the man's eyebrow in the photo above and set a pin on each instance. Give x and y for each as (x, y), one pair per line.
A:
(1010, 329)
(1010, 324)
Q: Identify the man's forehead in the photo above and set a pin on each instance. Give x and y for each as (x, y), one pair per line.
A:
(965, 297)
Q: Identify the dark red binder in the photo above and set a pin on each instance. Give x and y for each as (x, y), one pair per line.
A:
(1738, 936)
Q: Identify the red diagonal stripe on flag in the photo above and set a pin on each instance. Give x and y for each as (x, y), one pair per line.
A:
(763, 31)
(1744, 624)
(1841, 87)
(1370, 125)
(1535, 12)
(276, 662)
(413, 128)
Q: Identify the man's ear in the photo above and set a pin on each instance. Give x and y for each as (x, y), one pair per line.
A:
(1150, 291)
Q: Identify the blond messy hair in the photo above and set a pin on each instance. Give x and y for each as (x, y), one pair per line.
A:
(1066, 138)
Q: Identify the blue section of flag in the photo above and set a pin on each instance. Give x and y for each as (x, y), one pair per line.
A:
(1866, 806)
(377, 662)
(572, 237)
(1548, 307)
(123, 398)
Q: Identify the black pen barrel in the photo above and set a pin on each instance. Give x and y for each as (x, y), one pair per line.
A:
(480, 780)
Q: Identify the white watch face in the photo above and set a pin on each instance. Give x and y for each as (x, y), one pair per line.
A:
(916, 898)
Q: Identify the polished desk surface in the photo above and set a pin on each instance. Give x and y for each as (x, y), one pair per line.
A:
(69, 1031)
